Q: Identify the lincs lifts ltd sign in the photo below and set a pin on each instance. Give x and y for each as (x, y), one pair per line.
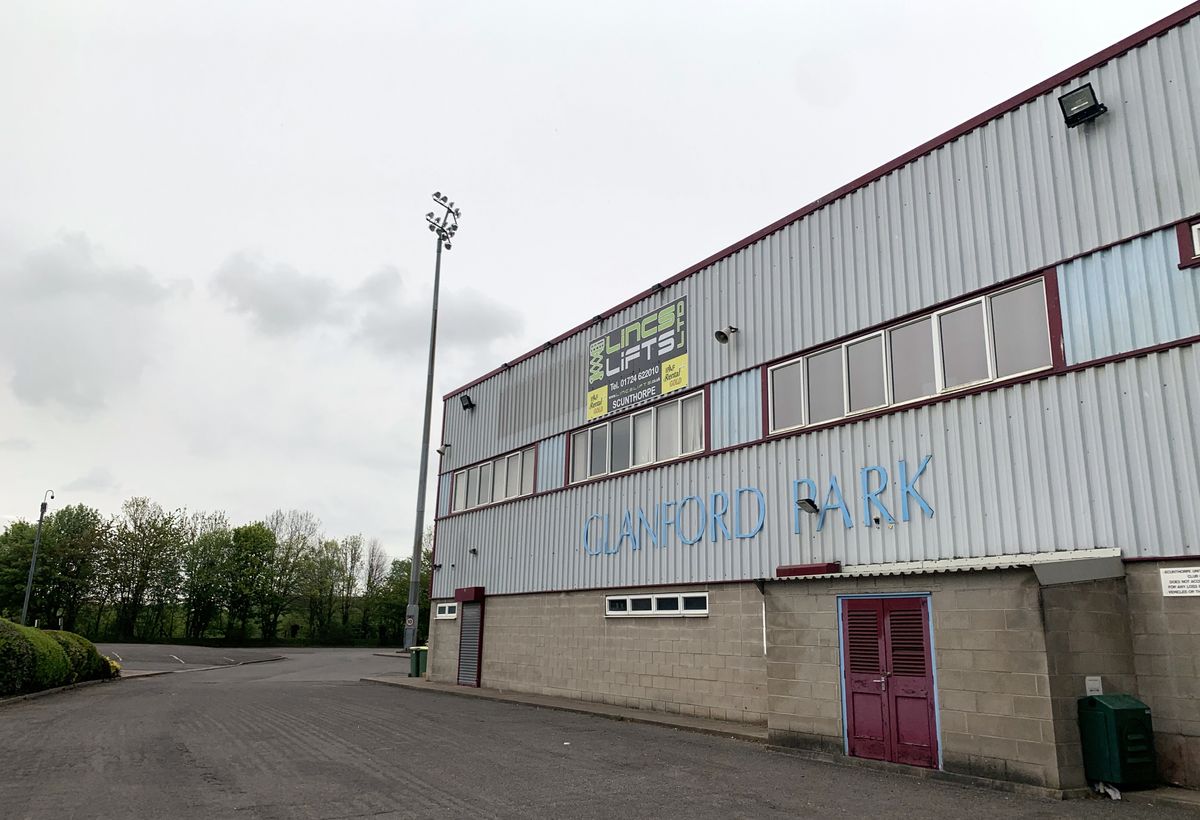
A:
(639, 361)
(742, 514)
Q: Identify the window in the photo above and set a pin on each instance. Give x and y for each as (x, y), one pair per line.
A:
(825, 392)
(446, 611)
(506, 477)
(665, 431)
(668, 605)
(1017, 315)
(912, 361)
(864, 367)
(786, 402)
(964, 345)
(999, 335)
(1196, 240)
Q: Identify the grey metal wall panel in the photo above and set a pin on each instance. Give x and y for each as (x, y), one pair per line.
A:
(1103, 457)
(1128, 297)
(551, 464)
(1015, 195)
(736, 409)
(444, 499)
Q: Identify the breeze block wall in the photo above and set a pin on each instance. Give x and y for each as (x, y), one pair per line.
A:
(989, 648)
(1087, 633)
(1166, 652)
(562, 644)
(443, 648)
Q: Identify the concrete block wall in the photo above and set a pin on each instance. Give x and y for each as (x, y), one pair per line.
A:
(1087, 633)
(443, 648)
(993, 682)
(1165, 634)
(562, 644)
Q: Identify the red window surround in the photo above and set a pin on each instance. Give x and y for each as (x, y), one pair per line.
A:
(1188, 234)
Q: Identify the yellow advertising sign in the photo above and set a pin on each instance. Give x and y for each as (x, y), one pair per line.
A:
(675, 374)
(597, 402)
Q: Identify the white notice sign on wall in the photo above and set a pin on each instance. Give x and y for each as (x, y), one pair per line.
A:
(1184, 581)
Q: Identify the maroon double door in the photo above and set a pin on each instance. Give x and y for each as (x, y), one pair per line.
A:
(890, 709)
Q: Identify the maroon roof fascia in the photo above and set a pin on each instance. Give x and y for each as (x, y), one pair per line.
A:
(1100, 58)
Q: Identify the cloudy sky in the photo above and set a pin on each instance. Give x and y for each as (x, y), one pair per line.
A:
(214, 271)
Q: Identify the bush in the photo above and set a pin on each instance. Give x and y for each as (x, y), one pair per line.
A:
(32, 659)
(86, 662)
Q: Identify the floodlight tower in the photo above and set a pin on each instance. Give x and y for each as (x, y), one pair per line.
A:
(444, 225)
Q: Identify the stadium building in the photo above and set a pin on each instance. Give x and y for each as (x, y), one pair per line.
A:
(900, 476)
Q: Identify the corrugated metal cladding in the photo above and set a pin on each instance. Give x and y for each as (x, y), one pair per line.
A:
(1128, 297)
(551, 463)
(1013, 196)
(1103, 457)
(444, 499)
(736, 409)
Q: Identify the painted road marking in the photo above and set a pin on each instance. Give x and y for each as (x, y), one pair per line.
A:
(176, 657)
(118, 657)
(231, 660)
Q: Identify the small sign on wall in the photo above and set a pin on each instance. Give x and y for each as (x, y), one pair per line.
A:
(1179, 582)
(1092, 685)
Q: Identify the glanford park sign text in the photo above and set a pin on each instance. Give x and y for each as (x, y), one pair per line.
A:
(874, 499)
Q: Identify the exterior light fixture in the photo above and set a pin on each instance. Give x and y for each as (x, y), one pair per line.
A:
(1080, 105)
(443, 223)
(467, 404)
(808, 505)
(441, 451)
(473, 551)
(722, 336)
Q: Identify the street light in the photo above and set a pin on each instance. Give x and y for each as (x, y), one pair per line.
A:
(443, 221)
(37, 542)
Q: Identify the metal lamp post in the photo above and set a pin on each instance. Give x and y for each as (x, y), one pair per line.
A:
(37, 542)
(444, 226)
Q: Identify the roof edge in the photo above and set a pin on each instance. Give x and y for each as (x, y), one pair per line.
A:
(1098, 59)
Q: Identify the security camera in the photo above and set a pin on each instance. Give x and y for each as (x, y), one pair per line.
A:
(445, 448)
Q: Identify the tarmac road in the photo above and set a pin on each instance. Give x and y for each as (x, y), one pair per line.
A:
(302, 738)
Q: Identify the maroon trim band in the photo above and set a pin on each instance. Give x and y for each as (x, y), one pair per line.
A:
(1189, 254)
(796, 570)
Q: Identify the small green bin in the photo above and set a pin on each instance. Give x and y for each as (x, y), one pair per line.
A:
(1118, 740)
(418, 661)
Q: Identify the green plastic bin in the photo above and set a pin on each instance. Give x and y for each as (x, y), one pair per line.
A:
(1118, 740)
(418, 661)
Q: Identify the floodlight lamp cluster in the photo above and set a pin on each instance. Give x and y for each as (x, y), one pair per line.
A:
(447, 225)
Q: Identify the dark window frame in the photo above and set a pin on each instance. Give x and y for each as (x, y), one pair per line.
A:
(1187, 233)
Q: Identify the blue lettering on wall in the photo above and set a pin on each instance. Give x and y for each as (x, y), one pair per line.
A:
(870, 498)
(703, 518)
(909, 488)
(834, 501)
(737, 511)
(691, 517)
(718, 514)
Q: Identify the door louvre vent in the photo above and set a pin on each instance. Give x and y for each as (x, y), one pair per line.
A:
(862, 631)
(906, 628)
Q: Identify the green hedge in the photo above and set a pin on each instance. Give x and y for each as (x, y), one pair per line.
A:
(33, 659)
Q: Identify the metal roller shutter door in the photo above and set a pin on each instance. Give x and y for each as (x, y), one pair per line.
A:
(470, 633)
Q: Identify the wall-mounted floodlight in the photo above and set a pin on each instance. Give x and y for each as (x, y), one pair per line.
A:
(808, 505)
(441, 451)
(723, 335)
(466, 402)
(1080, 105)
(473, 551)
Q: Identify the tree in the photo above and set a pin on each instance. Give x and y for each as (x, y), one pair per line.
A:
(352, 558)
(373, 583)
(73, 538)
(296, 536)
(395, 596)
(249, 561)
(208, 550)
(16, 549)
(146, 548)
(319, 579)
